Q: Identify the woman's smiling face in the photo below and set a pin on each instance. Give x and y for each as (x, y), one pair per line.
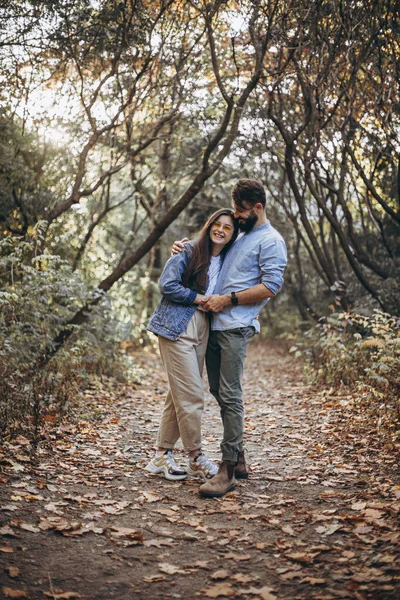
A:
(221, 231)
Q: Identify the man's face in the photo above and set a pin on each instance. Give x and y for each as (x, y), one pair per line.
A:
(246, 216)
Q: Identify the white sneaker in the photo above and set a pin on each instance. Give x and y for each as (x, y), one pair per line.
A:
(165, 463)
(202, 467)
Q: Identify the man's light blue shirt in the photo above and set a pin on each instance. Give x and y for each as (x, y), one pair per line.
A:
(256, 257)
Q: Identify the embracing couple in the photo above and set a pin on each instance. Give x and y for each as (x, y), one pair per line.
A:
(212, 291)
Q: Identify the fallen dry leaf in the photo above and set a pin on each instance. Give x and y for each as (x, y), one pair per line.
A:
(237, 557)
(62, 595)
(6, 549)
(167, 512)
(363, 529)
(126, 532)
(330, 529)
(54, 507)
(189, 536)
(158, 543)
(264, 592)
(58, 523)
(7, 531)
(112, 510)
(302, 557)
(313, 581)
(170, 569)
(228, 506)
(202, 564)
(9, 508)
(224, 542)
(150, 497)
(13, 571)
(10, 593)
(386, 558)
(274, 477)
(287, 529)
(372, 513)
(289, 575)
(221, 574)
(319, 548)
(153, 578)
(261, 545)
(358, 506)
(29, 527)
(219, 589)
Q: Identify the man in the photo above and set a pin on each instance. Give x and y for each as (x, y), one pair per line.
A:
(251, 274)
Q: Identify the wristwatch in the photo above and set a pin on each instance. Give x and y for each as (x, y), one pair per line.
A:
(234, 299)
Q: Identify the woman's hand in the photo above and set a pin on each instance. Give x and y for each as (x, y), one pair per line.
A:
(201, 299)
(216, 303)
(178, 246)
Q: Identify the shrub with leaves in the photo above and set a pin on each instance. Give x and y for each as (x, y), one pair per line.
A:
(38, 294)
(359, 351)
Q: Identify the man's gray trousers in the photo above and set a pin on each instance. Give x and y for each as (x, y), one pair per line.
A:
(225, 356)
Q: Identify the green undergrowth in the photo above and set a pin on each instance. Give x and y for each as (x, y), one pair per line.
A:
(39, 293)
(361, 353)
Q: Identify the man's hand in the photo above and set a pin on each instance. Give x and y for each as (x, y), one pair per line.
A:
(178, 246)
(215, 303)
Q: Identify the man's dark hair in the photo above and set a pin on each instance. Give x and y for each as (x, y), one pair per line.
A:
(250, 191)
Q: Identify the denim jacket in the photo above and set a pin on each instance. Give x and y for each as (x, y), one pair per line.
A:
(176, 307)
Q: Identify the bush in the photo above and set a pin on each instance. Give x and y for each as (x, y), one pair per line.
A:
(39, 293)
(362, 352)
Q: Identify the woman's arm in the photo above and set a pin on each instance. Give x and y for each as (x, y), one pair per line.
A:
(170, 283)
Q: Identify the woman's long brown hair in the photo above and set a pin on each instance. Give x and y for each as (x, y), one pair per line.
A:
(195, 274)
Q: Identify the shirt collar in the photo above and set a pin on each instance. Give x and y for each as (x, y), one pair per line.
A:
(260, 227)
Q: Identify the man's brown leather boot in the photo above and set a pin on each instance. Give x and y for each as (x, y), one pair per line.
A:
(222, 483)
(241, 471)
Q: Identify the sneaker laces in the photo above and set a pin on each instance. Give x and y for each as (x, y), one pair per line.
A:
(202, 460)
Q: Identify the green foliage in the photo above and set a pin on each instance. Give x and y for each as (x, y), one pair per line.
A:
(33, 173)
(39, 292)
(362, 352)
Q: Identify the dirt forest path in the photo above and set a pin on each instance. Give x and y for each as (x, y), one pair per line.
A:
(318, 518)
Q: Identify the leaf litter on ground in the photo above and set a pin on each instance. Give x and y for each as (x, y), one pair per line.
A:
(320, 509)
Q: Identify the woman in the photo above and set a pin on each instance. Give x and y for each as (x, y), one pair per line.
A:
(182, 327)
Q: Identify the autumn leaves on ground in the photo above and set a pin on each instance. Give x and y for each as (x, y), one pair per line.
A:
(316, 520)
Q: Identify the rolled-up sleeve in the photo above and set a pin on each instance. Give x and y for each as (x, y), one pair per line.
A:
(273, 260)
(170, 283)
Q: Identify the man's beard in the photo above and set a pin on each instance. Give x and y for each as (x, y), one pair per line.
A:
(249, 223)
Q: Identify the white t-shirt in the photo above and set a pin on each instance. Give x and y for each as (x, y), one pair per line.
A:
(213, 272)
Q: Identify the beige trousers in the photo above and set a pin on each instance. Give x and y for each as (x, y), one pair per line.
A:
(183, 361)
